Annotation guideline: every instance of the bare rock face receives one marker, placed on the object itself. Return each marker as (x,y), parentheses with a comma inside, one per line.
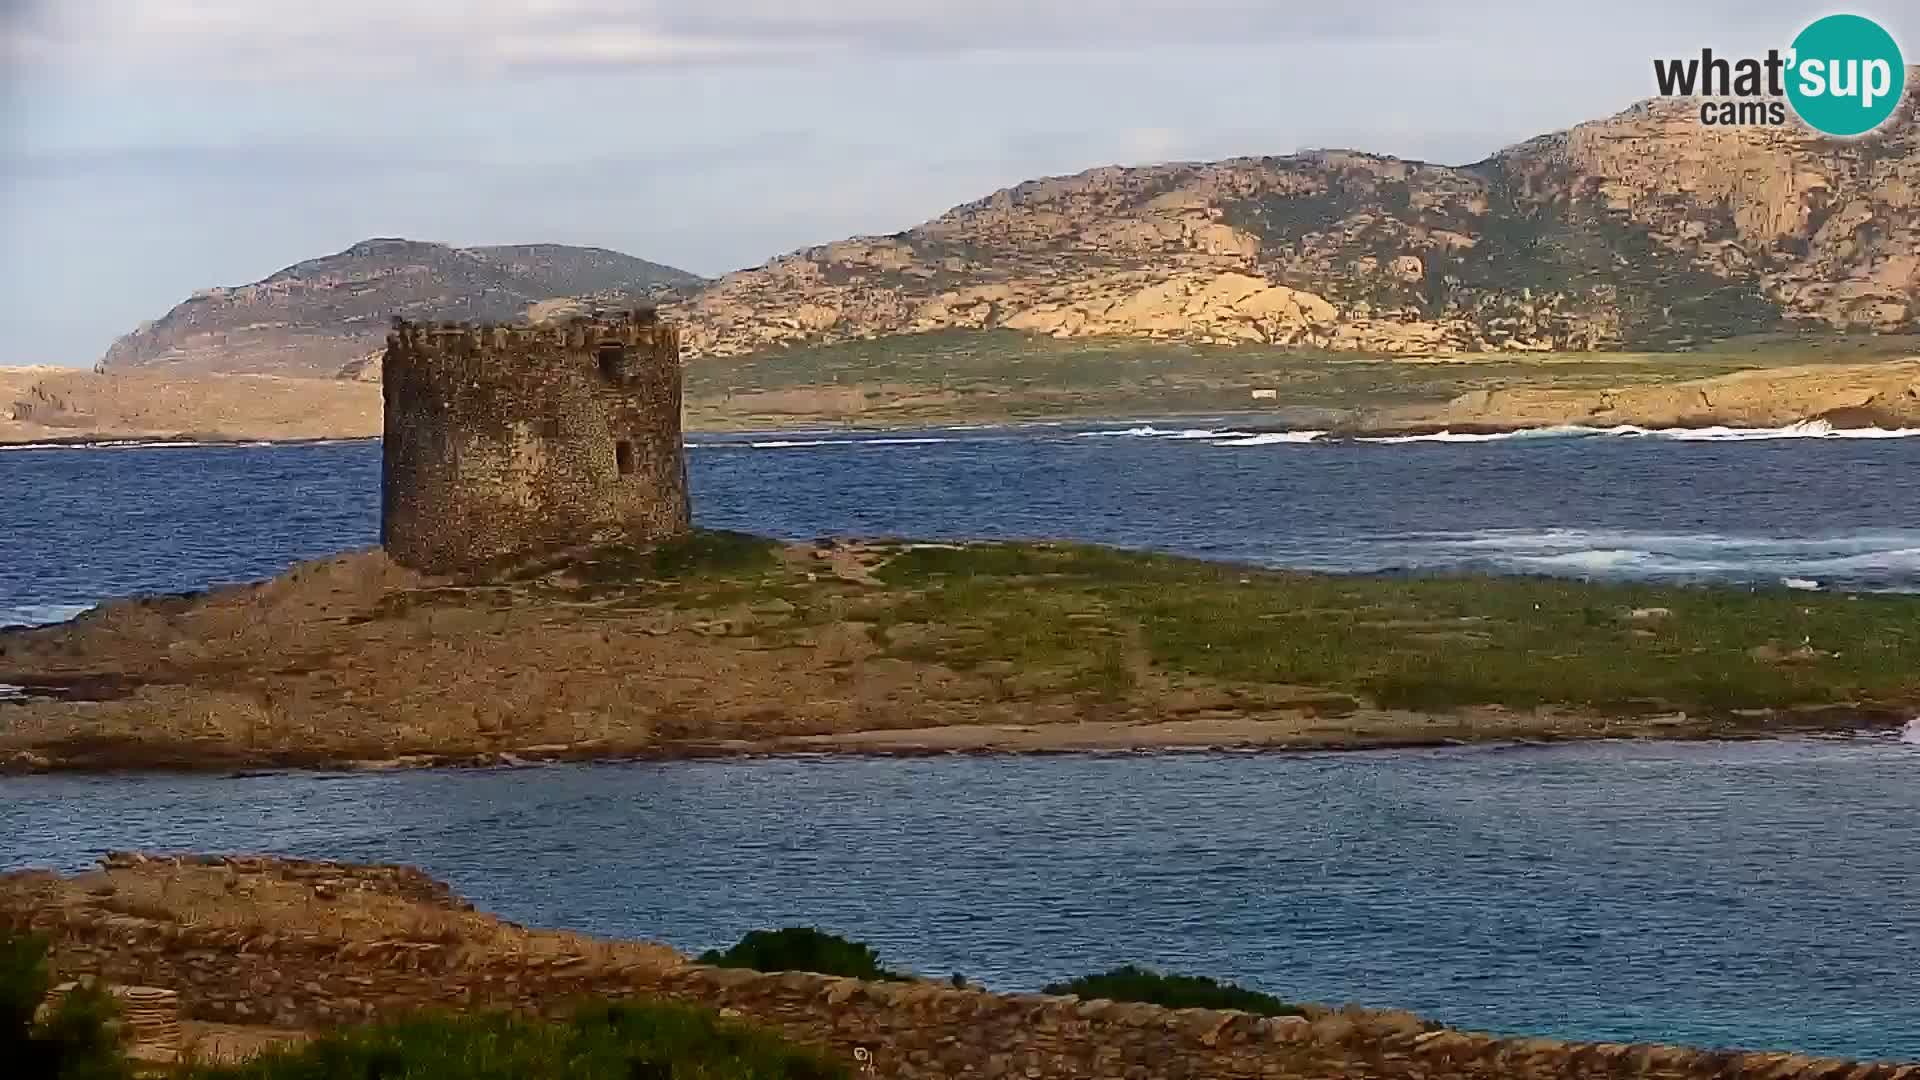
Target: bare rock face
(1646,229)
(325,317)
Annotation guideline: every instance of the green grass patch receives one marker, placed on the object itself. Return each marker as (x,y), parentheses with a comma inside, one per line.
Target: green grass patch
(1006,374)
(801,948)
(609,1041)
(1414,642)
(1133,983)
(702,553)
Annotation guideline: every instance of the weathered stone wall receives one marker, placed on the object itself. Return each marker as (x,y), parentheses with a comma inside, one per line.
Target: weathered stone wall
(909,1030)
(506,440)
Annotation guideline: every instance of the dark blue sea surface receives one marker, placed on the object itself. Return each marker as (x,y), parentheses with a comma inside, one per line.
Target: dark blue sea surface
(81,525)
(1757,894)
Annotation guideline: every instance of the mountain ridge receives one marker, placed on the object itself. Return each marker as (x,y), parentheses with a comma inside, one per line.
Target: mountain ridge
(321,315)
(1643,230)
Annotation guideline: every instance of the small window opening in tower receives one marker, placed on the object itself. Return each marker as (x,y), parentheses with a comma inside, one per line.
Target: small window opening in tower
(623,457)
(613,362)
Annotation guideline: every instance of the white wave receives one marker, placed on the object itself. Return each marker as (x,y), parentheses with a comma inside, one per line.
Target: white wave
(124,444)
(1806,429)
(1890,560)
(797,444)
(1883,561)
(1442,436)
(1272,438)
(1911,733)
(1148,431)
(1597,559)
(1898,543)
(10,692)
(40,614)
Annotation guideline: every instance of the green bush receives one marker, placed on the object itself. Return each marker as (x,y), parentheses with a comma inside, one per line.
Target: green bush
(77,1040)
(801,948)
(1132,983)
(608,1041)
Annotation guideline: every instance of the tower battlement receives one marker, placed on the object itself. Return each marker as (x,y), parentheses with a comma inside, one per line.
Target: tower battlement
(505,440)
(453,342)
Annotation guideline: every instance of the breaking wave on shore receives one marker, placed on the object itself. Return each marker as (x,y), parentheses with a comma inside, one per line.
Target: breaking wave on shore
(1806,429)
(1875,562)
(1237,437)
(40,614)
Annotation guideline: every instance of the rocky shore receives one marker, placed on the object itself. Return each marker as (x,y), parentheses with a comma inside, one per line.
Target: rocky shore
(330,943)
(1881,395)
(731,645)
(59,406)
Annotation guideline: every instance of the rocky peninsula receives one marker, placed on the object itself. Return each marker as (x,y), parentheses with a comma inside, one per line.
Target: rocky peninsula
(729,644)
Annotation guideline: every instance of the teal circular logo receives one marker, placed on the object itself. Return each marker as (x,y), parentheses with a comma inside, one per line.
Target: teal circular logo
(1846,75)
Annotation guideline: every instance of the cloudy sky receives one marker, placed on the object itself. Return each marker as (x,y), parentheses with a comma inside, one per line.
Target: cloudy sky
(152,147)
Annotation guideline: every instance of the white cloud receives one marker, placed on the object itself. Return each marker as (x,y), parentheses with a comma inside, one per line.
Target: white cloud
(281,39)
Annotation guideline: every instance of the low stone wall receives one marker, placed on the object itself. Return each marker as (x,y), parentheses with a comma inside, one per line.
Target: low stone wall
(268,974)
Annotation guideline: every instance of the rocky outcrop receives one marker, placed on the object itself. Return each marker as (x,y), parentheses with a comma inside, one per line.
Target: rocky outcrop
(305,944)
(1885,395)
(1646,229)
(324,315)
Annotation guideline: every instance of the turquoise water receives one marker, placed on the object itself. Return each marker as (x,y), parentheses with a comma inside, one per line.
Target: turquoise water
(1762,895)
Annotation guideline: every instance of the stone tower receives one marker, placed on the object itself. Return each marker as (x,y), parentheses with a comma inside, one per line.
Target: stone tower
(504,441)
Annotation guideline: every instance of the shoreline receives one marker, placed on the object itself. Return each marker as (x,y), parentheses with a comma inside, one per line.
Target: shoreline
(333,943)
(1893,427)
(1086,739)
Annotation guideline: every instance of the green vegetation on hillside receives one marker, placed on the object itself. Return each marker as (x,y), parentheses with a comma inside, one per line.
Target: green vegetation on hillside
(606,1041)
(1132,983)
(996,374)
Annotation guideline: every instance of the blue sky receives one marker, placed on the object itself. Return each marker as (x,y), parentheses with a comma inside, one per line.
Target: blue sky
(152,147)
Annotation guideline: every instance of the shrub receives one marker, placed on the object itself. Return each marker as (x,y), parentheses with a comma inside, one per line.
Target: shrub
(76,1040)
(1132,983)
(606,1041)
(801,948)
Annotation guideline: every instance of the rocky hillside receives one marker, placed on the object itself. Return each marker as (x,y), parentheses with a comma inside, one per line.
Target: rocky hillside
(1645,230)
(320,316)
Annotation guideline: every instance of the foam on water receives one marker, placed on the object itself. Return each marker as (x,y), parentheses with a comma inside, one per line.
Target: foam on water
(1911,733)
(40,614)
(1273,438)
(1809,429)
(1878,561)
(1148,431)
